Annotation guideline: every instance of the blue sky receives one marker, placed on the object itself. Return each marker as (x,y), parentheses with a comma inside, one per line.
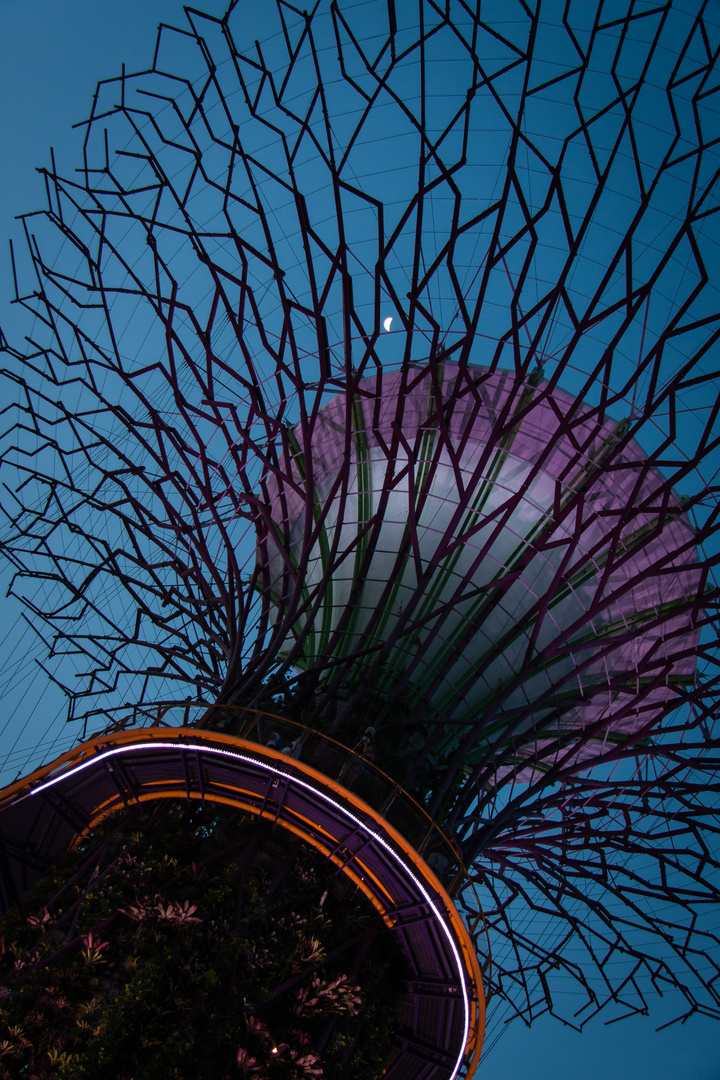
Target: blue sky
(51,56)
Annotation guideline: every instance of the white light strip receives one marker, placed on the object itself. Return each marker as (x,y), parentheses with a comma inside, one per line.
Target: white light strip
(151,744)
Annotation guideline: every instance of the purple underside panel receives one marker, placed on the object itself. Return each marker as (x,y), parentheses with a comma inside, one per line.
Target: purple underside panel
(507,549)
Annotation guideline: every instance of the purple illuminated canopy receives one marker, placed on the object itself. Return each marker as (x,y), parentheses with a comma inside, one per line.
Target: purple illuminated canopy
(503,556)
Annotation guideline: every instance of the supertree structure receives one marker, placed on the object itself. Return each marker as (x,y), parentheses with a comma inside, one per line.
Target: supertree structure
(372,386)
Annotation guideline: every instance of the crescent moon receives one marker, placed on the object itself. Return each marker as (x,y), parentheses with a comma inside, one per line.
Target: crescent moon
(387,323)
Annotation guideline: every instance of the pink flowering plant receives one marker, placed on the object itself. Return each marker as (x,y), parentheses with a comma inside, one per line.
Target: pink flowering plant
(187,942)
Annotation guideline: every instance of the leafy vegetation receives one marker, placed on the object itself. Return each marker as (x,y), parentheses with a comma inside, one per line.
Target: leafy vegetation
(190,942)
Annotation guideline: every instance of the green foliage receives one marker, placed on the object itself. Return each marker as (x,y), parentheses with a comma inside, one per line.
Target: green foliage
(188,943)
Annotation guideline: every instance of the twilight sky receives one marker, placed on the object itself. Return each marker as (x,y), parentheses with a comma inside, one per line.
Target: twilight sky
(52,52)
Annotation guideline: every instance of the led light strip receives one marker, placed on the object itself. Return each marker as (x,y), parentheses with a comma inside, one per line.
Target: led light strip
(153,744)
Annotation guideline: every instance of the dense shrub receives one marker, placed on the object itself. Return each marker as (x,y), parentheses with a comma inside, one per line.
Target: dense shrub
(191,942)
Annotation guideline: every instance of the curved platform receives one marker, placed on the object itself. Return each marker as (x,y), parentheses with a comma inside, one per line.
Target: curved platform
(440,1012)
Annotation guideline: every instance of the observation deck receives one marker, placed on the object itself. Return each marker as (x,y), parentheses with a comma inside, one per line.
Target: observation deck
(385,846)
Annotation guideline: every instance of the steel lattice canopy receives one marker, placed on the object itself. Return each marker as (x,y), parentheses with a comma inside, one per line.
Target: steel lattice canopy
(440,1012)
(391,190)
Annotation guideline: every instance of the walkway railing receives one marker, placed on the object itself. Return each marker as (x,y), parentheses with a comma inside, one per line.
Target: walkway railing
(336,761)
(354,772)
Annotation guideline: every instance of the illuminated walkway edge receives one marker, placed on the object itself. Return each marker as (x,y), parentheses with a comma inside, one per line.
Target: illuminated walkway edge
(441,1006)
